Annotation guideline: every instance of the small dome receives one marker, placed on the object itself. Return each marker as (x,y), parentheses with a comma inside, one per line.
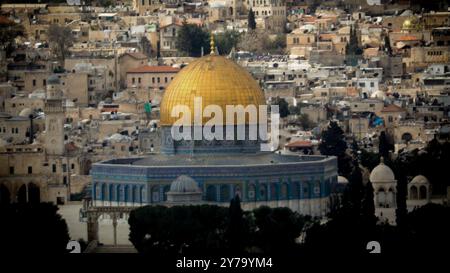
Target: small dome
(382,173)
(26,112)
(342,180)
(53,79)
(420,179)
(184,184)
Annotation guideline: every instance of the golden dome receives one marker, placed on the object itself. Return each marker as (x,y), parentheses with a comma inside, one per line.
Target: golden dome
(217,80)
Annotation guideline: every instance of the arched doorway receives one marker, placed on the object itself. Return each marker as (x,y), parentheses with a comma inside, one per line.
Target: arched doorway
(413,195)
(423,192)
(34,193)
(22,194)
(5,198)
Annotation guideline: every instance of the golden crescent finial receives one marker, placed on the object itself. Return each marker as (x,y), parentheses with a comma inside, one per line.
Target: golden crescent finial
(213,47)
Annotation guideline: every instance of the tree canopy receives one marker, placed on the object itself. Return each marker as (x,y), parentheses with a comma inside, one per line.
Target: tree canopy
(333,143)
(191,39)
(226,41)
(251,19)
(61,38)
(159,230)
(32,228)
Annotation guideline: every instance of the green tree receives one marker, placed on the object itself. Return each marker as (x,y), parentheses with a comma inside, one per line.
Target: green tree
(32,228)
(283,106)
(352,50)
(9,30)
(236,226)
(276,45)
(251,20)
(191,39)
(61,38)
(277,229)
(160,230)
(305,122)
(333,143)
(384,146)
(226,41)
(387,45)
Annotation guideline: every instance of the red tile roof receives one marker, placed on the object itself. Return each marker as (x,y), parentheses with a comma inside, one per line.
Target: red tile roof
(154,69)
(408,38)
(299,144)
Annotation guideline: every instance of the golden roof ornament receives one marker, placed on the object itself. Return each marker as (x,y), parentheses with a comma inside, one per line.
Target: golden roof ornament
(213,47)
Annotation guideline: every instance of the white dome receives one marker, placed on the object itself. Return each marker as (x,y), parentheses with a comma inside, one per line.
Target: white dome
(184,184)
(342,180)
(420,179)
(25,112)
(382,173)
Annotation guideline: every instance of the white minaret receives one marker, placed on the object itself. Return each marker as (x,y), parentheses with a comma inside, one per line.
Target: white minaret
(385,191)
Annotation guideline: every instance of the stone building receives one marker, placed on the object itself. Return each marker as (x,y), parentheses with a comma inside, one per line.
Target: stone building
(151,77)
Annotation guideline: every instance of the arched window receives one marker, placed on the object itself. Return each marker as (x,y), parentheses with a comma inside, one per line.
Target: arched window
(117,193)
(211,193)
(381,197)
(143,195)
(295,192)
(133,194)
(225,193)
(284,192)
(251,192)
(104,192)
(166,188)
(262,192)
(98,191)
(126,193)
(273,191)
(422,192)
(121,193)
(111,192)
(237,191)
(407,137)
(413,195)
(155,194)
(390,198)
(306,190)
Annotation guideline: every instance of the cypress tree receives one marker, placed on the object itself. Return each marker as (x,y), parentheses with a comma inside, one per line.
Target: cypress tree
(251,20)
